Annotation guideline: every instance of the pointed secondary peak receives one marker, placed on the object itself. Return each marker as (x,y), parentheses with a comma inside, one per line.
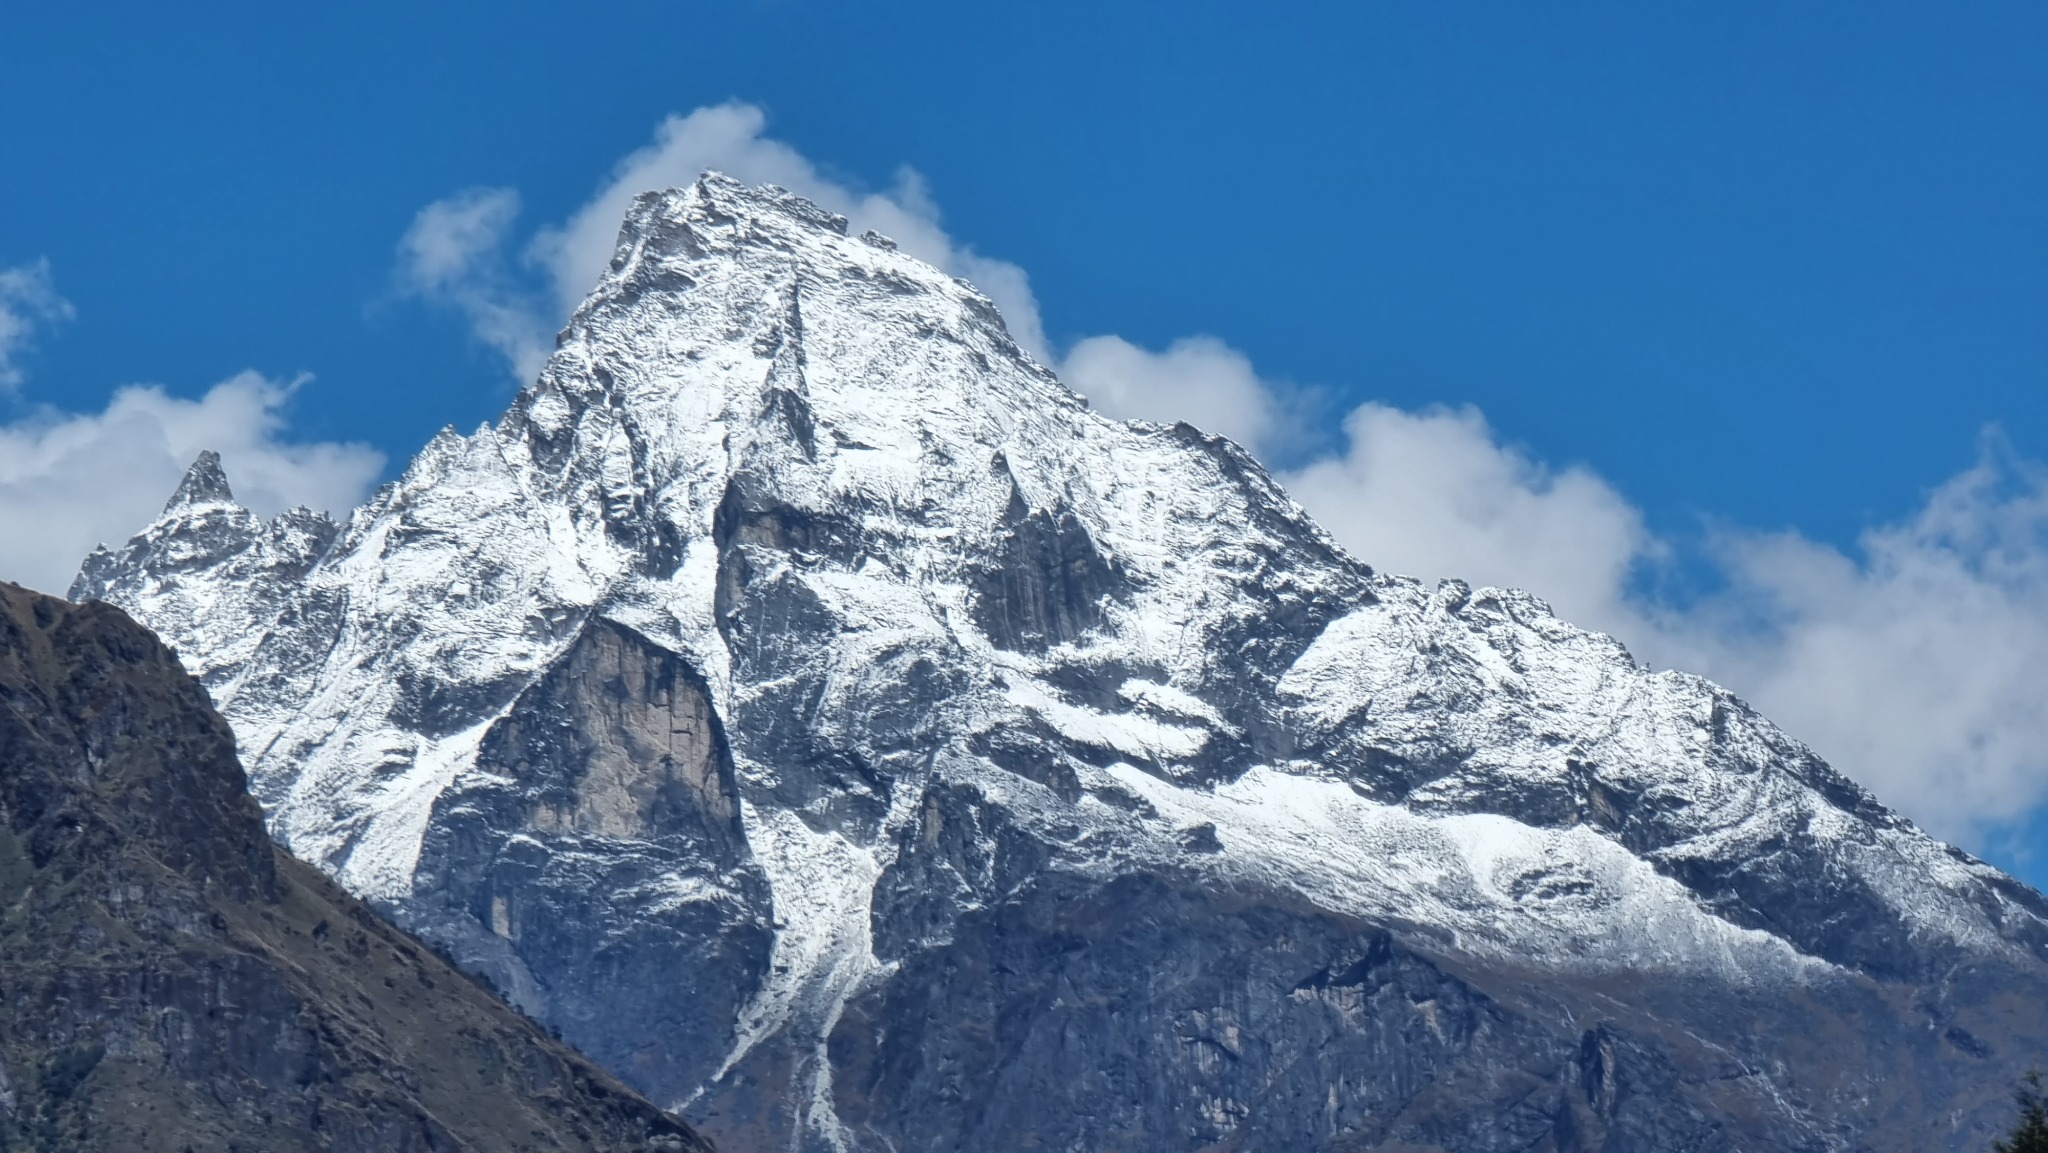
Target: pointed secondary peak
(205,483)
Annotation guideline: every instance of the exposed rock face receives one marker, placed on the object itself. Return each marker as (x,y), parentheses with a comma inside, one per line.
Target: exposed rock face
(1086,795)
(600,834)
(170,980)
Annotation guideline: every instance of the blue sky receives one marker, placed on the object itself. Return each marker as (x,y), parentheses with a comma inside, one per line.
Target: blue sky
(1733,291)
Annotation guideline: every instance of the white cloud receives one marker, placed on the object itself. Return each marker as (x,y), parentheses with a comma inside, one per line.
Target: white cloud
(70,481)
(1198,379)
(454,254)
(27,300)
(1434,494)
(1915,665)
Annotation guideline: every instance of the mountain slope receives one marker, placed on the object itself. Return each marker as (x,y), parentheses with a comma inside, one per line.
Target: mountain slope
(799,664)
(173,981)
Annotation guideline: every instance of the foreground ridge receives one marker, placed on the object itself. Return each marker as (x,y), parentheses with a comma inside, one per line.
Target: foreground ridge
(175,981)
(807,704)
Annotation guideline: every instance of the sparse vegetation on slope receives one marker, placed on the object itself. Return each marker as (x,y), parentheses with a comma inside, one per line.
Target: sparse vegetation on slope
(2030,1134)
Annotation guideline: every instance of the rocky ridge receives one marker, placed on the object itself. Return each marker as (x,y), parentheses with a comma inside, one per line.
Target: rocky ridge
(814,710)
(174,981)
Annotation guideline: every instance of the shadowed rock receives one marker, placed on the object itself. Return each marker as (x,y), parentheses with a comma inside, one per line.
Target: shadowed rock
(174,982)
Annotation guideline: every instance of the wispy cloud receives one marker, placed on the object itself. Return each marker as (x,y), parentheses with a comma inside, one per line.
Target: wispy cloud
(28,301)
(1910,661)
(70,481)
(454,254)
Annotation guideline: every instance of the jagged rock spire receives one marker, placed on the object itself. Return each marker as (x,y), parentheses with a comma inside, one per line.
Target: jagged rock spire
(205,483)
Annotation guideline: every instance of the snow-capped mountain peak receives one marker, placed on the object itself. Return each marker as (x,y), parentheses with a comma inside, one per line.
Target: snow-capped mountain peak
(815,710)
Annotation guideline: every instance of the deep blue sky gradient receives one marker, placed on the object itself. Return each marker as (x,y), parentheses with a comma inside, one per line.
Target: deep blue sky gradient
(1769,264)
(1772,264)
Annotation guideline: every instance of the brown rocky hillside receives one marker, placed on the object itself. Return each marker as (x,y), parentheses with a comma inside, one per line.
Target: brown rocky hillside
(170,980)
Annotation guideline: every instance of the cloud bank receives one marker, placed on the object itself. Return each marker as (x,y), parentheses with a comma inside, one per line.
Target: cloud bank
(1910,662)
(70,481)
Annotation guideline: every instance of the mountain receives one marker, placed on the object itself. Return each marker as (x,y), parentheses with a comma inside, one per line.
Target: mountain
(174,981)
(815,711)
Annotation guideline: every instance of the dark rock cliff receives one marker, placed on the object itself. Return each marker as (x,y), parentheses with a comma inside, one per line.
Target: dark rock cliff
(607,788)
(169,980)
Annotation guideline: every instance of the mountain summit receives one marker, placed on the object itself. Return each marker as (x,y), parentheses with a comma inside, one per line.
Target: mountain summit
(798,664)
